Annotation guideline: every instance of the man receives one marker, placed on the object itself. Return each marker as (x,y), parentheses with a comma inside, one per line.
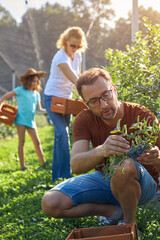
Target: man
(88,194)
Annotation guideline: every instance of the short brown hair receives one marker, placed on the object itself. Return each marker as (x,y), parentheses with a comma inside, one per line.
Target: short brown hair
(89,77)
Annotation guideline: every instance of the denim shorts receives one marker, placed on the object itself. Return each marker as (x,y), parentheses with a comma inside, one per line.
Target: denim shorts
(91,188)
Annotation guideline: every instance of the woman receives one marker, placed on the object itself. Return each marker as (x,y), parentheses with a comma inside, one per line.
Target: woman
(64,71)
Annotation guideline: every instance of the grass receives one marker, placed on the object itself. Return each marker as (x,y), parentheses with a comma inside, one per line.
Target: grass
(21,192)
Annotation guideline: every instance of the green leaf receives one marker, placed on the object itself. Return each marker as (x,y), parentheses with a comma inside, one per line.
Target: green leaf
(116,130)
(134,126)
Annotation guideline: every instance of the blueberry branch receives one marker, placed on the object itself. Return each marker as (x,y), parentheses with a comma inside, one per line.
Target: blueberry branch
(143,139)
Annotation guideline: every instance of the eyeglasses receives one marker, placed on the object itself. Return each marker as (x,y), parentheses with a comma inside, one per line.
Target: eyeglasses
(95,102)
(75,46)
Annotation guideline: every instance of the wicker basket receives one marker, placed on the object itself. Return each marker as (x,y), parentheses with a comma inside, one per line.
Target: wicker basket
(7,114)
(67,106)
(120,232)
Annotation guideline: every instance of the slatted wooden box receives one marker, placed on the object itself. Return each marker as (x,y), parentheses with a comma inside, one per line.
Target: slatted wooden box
(8,114)
(67,106)
(116,232)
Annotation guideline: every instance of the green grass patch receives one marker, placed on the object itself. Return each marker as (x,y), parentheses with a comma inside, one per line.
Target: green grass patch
(21,216)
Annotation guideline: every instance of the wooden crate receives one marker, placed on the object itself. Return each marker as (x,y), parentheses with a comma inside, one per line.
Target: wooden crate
(7,114)
(116,232)
(67,106)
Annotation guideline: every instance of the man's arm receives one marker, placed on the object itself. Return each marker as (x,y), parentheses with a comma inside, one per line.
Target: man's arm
(84,160)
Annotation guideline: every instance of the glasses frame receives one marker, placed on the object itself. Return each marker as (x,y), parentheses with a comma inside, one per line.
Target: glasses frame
(74,46)
(105,100)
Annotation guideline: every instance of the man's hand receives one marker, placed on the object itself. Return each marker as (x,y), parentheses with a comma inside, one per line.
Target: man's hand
(114,144)
(152,157)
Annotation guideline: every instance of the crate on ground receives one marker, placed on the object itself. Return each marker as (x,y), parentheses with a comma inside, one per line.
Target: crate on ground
(8,114)
(114,232)
(67,106)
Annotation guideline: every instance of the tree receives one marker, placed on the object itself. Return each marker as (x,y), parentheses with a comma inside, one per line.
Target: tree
(7,27)
(5,18)
(120,36)
(92,16)
(136,71)
(51,20)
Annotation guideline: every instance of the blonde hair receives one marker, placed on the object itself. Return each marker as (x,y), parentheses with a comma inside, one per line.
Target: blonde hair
(75,32)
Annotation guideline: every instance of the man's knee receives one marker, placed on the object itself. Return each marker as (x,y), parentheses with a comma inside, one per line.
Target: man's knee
(54,203)
(124,175)
(127,170)
(125,180)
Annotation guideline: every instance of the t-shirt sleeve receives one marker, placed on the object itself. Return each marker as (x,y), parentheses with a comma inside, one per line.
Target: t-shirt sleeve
(17,90)
(80,127)
(61,57)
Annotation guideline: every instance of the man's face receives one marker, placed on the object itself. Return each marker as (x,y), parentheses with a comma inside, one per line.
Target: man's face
(106,110)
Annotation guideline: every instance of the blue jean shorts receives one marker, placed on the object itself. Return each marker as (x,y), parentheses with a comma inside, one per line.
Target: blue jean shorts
(91,188)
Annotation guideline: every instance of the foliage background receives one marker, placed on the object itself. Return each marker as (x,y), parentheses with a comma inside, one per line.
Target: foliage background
(136,71)
(46,24)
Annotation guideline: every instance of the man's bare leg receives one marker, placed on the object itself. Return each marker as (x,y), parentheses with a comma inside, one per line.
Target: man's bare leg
(124,186)
(127,190)
(58,205)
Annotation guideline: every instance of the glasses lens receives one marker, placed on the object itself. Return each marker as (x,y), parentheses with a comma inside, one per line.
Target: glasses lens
(73,46)
(107,96)
(95,102)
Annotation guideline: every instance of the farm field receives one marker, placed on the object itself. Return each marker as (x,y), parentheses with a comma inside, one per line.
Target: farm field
(21,192)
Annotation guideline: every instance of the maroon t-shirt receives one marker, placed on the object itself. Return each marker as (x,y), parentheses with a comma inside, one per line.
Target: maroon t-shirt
(92,128)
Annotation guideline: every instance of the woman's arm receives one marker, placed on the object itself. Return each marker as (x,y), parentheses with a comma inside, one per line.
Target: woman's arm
(68,72)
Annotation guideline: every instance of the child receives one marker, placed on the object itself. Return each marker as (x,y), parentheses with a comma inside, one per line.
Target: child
(28,100)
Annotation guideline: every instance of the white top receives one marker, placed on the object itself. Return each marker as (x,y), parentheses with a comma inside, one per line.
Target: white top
(58,84)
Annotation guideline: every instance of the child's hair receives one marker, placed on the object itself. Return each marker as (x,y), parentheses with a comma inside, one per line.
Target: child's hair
(28,77)
(27,82)
(75,32)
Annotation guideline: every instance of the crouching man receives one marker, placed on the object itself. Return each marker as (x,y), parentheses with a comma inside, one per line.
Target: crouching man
(88,194)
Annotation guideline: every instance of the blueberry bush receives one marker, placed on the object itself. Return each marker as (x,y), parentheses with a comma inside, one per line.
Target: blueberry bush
(143,138)
(136,71)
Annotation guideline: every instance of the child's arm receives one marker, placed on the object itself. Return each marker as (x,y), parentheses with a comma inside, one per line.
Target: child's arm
(39,107)
(7,96)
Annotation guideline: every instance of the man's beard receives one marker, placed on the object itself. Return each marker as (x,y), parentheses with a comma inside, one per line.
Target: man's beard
(110,116)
